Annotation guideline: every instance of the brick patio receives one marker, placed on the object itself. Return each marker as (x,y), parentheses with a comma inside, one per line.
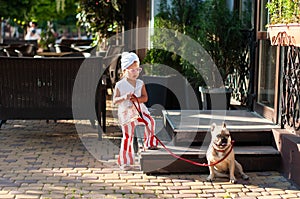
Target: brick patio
(48,160)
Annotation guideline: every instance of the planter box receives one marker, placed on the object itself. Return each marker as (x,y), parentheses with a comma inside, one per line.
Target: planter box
(215,98)
(170,92)
(284,34)
(159,94)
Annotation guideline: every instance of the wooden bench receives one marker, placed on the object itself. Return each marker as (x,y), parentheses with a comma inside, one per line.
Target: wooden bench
(52,88)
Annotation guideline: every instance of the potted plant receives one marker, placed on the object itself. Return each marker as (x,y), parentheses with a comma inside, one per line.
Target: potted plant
(284,24)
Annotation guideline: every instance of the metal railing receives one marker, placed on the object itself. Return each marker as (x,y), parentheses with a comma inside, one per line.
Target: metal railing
(290,104)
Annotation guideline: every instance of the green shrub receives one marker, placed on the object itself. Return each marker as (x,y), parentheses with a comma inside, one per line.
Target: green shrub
(284,11)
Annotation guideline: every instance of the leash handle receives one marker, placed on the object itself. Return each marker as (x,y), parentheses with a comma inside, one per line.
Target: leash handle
(138,108)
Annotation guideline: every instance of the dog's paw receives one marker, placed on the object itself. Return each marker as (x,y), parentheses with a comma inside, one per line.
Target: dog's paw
(233,180)
(245,177)
(210,178)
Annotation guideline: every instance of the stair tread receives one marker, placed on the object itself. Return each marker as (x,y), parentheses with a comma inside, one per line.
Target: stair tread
(199,120)
(192,150)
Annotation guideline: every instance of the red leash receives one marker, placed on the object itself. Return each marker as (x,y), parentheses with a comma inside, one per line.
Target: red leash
(141,119)
(193,162)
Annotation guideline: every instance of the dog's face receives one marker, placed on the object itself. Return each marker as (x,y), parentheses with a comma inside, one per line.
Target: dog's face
(220,137)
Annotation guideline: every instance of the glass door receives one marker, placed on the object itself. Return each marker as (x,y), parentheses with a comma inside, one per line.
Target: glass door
(267,74)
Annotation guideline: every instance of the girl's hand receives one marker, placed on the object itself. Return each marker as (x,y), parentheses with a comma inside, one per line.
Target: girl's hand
(129,96)
(132,99)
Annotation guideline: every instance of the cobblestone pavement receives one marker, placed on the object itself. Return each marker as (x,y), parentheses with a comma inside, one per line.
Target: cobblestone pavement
(52,160)
(40,160)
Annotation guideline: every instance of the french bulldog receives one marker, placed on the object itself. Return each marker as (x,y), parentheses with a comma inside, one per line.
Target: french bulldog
(220,146)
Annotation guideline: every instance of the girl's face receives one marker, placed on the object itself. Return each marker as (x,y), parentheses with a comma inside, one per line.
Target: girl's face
(133,71)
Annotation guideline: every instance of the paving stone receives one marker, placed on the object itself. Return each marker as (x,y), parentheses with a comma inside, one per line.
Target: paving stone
(178,187)
(190,191)
(170,191)
(293,191)
(149,196)
(94,195)
(35,192)
(166,196)
(269,197)
(253,194)
(134,189)
(288,196)
(185,196)
(7,196)
(233,190)
(279,192)
(115,181)
(205,195)
(192,184)
(257,189)
(204,186)
(214,191)
(146,191)
(155,188)
(166,184)
(145,183)
(91,181)
(232,186)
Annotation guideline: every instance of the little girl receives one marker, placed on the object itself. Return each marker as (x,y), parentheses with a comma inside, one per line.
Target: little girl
(127,113)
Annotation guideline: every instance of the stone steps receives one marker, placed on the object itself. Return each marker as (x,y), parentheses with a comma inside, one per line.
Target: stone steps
(252,158)
(255,147)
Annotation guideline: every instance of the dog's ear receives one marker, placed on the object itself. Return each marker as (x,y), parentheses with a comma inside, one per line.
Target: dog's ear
(224,125)
(213,126)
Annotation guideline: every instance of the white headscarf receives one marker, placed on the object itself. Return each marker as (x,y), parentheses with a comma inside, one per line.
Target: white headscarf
(127,59)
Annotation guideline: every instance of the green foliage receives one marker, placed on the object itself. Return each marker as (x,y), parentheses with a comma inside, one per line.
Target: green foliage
(284,11)
(156,57)
(101,16)
(47,10)
(36,10)
(16,9)
(223,36)
(211,24)
(47,37)
(21,12)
